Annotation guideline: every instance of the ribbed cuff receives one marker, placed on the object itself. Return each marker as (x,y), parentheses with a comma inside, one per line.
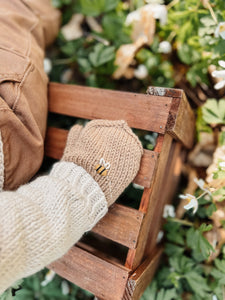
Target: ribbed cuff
(1,164)
(96,204)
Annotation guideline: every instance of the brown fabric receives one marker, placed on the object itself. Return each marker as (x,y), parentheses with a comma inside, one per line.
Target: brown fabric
(26,27)
(116,144)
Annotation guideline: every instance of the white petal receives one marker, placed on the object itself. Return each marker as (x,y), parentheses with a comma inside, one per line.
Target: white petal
(159,236)
(221,63)
(219,85)
(132,17)
(165,47)
(141,72)
(47,65)
(218,74)
(222,164)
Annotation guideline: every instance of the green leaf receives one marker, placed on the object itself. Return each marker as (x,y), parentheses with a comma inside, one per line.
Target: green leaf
(198,243)
(101,55)
(213,111)
(187,54)
(222,138)
(204,227)
(96,7)
(197,283)
(221,191)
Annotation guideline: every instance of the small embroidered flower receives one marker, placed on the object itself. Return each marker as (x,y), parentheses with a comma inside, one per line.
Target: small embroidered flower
(169,211)
(165,47)
(192,202)
(103,167)
(141,72)
(220,30)
(219,74)
(48,277)
(202,185)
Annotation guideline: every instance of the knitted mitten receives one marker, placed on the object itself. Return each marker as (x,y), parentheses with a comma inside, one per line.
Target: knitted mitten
(41,221)
(109,151)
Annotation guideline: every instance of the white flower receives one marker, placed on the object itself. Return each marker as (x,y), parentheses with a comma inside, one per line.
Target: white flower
(137,186)
(220,30)
(132,17)
(222,165)
(159,236)
(202,185)
(192,202)
(65,288)
(169,211)
(219,74)
(165,47)
(47,65)
(48,278)
(73,29)
(159,12)
(214,297)
(141,72)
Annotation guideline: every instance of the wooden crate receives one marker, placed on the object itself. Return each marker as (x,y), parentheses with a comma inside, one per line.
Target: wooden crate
(118,259)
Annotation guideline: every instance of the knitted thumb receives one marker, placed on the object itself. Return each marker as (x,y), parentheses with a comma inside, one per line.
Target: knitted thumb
(72,138)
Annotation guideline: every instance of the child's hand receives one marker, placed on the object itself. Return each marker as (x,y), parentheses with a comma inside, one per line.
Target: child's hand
(109,151)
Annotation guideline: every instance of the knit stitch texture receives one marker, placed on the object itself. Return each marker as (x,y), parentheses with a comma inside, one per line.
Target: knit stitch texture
(113,141)
(42,220)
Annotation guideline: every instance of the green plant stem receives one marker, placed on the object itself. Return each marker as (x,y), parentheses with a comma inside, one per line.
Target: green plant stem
(184,222)
(211,12)
(171,4)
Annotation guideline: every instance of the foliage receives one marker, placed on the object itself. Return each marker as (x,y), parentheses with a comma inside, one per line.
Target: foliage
(186,271)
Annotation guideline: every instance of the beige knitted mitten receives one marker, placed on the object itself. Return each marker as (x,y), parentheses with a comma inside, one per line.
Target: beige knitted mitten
(109,151)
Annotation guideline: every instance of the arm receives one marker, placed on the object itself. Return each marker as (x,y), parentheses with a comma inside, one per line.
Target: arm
(41,220)
(26,27)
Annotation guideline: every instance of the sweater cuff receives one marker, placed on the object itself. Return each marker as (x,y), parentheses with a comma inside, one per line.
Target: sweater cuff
(1,164)
(86,186)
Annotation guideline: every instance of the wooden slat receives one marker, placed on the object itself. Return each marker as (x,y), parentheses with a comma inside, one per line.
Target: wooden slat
(105,280)
(141,278)
(181,121)
(55,144)
(135,256)
(139,110)
(121,224)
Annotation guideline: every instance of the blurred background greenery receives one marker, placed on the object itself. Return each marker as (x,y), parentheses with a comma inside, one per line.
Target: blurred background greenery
(109,44)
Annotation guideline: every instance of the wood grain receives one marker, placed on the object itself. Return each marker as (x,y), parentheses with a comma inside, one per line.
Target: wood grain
(140,279)
(135,256)
(121,224)
(139,110)
(181,121)
(91,273)
(55,144)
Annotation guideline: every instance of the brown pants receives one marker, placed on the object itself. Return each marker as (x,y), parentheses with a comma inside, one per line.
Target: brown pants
(26,27)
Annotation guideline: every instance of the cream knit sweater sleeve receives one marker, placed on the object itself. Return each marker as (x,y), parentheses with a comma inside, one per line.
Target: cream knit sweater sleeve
(41,220)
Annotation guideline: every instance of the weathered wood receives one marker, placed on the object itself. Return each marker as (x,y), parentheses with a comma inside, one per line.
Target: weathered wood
(101,278)
(140,279)
(168,188)
(121,224)
(181,121)
(139,110)
(135,256)
(55,144)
